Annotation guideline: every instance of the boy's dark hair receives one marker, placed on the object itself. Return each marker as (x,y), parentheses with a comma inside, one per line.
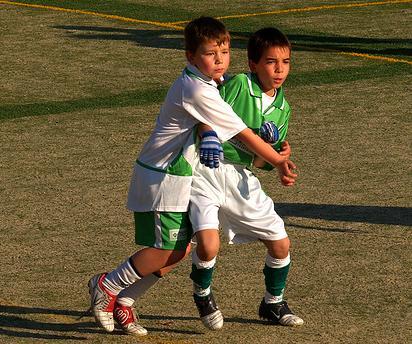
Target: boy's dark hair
(263,39)
(203,29)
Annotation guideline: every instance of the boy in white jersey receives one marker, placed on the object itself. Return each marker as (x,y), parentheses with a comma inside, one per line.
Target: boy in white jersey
(231,197)
(160,187)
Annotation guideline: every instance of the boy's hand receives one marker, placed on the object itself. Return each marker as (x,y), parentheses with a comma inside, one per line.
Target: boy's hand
(269,132)
(285,149)
(286,174)
(210,149)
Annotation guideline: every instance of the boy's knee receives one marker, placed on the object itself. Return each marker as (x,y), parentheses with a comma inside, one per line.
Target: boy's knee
(207,251)
(206,255)
(208,244)
(278,248)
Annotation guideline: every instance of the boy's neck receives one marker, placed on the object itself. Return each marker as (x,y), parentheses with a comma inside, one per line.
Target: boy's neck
(271,93)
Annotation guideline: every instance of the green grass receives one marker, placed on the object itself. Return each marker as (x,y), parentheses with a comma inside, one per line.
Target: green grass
(129,98)
(79,97)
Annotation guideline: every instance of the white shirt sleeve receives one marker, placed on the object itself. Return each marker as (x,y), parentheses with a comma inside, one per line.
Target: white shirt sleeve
(203,102)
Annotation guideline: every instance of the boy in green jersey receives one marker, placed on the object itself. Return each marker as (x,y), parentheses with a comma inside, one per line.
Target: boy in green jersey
(231,197)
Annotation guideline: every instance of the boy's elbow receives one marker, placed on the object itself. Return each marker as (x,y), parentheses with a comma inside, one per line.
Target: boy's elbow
(244,134)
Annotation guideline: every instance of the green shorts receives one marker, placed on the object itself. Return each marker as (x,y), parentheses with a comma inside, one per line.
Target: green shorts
(164,230)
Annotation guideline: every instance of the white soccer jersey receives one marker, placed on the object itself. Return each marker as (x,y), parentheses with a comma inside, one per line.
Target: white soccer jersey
(162,175)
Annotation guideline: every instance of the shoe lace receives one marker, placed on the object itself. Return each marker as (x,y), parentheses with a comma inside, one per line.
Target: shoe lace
(124,313)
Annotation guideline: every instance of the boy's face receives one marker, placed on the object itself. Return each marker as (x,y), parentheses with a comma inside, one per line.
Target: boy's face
(211,59)
(272,68)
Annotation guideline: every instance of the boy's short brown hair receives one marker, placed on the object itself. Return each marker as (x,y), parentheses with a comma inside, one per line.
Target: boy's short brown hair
(203,29)
(263,39)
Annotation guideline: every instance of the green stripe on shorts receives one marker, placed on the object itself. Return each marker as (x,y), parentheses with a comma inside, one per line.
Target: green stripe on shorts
(164,230)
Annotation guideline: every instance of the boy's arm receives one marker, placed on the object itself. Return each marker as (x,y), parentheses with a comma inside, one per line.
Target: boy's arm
(203,102)
(262,149)
(201,128)
(287,175)
(285,151)
(256,145)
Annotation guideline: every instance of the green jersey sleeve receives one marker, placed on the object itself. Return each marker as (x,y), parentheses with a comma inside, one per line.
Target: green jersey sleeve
(230,90)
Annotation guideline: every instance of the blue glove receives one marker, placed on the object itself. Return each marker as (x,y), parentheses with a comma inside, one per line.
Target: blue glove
(210,149)
(269,132)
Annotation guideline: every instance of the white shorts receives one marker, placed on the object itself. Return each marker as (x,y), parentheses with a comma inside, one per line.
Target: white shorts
(231,197)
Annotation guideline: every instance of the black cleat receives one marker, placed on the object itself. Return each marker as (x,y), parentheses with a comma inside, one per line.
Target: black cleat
(278,313)
(209,312)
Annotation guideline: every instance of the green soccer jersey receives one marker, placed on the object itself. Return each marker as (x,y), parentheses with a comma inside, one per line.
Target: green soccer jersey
(244,95)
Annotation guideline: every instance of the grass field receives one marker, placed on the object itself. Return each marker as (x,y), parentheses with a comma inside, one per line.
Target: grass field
(82,83)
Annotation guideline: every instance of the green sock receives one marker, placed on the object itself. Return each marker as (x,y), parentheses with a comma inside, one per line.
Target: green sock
(202,277)
(275,279)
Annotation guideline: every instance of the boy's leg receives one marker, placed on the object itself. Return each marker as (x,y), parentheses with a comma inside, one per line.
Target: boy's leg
(170,231)
(273,307)
(128,296)
(124,312)
(208,186)
(203,262)
(138,266)
(105,287)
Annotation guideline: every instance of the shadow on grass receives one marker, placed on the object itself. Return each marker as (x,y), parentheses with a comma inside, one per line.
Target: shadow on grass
(401,216)
(245,321)
(151,96)
(14,324)
(170,39)
(128,98)
(173,39)
(33,335)
(21,327)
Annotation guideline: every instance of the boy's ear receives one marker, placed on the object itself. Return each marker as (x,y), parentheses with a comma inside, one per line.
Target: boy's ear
(252,66)
(189,56)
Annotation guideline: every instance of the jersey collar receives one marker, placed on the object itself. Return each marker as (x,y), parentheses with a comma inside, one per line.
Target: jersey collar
(256,91)
(193,72)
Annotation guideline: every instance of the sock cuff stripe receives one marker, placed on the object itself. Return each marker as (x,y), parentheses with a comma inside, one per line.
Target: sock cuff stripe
(276,263)
(134,268)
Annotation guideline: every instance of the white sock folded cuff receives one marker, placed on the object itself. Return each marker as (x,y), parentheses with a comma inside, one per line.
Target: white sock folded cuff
(200,264)
(277,263)
(121,277)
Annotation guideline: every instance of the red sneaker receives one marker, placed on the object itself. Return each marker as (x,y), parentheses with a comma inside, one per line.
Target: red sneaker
(127,318)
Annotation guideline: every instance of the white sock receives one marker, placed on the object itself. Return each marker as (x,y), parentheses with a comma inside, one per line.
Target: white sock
(121,277)
(128,296)
(269,298)
(199,291)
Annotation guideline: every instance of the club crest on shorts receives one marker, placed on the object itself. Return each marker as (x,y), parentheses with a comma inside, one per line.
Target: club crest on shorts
(177,234)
